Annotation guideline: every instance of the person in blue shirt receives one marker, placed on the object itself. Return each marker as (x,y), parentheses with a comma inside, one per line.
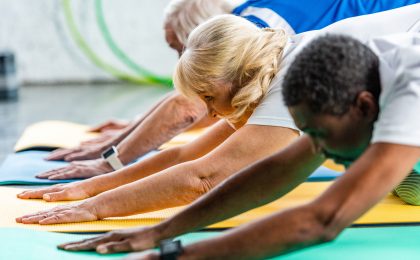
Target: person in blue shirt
(175,114)
(306,15)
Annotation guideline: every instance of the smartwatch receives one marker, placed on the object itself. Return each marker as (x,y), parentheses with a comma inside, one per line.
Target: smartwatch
(170,250)
(111,156)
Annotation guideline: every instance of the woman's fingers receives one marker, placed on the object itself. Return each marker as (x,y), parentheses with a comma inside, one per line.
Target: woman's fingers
(56,196)
(58,215)
(38,194)
(30,218)
(68,216)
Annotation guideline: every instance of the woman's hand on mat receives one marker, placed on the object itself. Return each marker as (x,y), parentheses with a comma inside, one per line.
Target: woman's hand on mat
(70,213)
(137,239)
(60,192)
(78,170)
(112,124)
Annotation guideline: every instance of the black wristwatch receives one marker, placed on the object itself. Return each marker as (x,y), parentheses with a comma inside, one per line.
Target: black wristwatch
(170,249)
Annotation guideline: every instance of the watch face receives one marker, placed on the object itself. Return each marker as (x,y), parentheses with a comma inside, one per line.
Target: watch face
(108,152)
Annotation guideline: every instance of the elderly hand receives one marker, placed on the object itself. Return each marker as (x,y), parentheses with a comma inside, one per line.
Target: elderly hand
(78,153)
(75,212)
(60,192)
(91,149)
(136,239)
(78,170)
(112,124)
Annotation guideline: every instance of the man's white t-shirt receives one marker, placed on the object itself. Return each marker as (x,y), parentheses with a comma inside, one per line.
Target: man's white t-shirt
(399,117)
(272,112)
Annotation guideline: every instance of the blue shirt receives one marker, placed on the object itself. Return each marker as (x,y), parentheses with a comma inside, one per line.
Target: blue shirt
(306,15)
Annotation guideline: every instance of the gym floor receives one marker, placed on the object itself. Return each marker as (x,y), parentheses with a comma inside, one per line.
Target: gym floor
(86,104)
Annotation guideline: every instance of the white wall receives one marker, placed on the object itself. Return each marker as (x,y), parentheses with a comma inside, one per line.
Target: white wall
(37,32)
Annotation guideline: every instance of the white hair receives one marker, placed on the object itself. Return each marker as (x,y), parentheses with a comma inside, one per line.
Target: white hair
(185,15)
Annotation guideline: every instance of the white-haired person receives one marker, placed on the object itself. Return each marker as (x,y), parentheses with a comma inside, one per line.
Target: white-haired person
(236,69)
(175,113)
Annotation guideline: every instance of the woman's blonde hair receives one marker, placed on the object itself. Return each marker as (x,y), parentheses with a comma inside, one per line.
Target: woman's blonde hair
(185,15)
(230,49)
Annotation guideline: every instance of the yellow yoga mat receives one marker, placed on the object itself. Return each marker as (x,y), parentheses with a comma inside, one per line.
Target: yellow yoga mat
(62,134)
(390,211)
(53,134)
(183,138)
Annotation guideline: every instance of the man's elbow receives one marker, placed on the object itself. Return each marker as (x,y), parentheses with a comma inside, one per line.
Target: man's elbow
(328,225)
(315,227)
(186,110)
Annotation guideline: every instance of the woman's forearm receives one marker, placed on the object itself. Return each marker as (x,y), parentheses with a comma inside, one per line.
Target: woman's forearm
(136,171)
(173,187)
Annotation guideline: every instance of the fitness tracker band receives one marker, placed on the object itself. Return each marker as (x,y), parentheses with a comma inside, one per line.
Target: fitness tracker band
(111,156)
(170,250)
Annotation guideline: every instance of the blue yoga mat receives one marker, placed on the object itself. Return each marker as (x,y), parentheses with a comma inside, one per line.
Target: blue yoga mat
(21,168)
(324,174)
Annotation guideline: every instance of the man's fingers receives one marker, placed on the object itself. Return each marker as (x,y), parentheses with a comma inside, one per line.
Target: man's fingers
(103,126)
(84,155)
(67,175)
(114,247)
(47,174)
(89,244)
(37,194)
(59,154)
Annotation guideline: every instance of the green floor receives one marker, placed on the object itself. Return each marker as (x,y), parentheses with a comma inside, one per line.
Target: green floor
(355,243)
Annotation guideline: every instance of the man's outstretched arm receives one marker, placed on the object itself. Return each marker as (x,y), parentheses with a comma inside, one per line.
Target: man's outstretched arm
(382,167)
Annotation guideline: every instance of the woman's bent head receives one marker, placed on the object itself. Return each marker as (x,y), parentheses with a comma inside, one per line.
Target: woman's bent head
(229,63)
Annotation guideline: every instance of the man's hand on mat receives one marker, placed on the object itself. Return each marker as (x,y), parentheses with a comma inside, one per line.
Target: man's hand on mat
(78,170)
(112,124)
(106,139)
(84,152)
(136,239)
(75,212)
(59,192)
(148,255)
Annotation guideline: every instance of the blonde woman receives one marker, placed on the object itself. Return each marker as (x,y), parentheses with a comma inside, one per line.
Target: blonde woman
(243,67)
